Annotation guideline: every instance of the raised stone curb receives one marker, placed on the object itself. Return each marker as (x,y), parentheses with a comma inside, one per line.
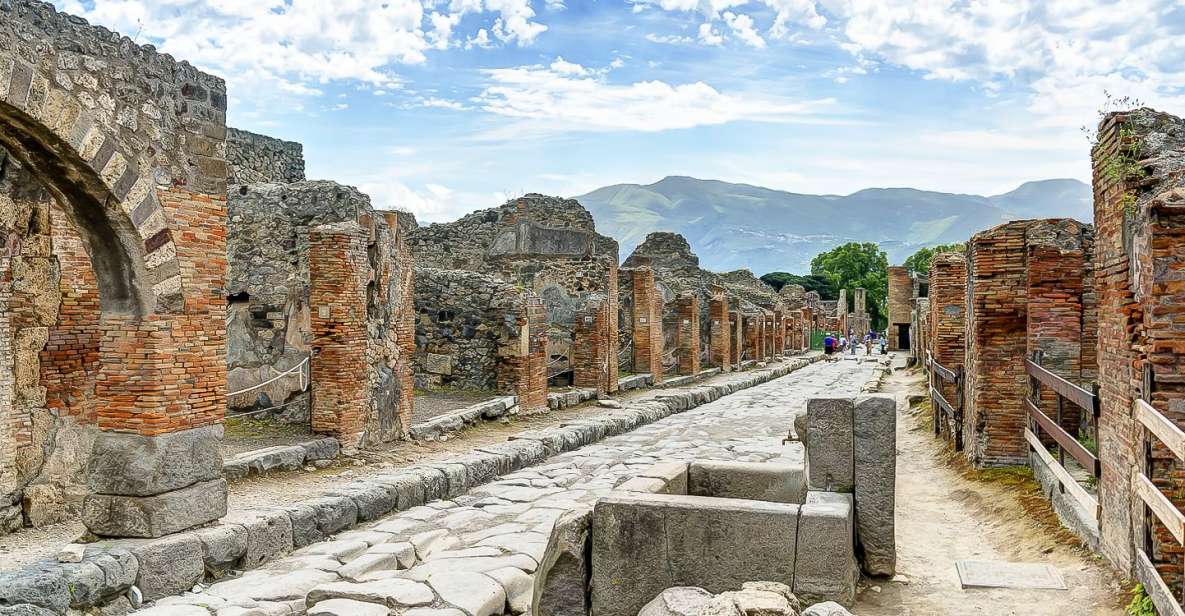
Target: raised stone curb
(246,539)
(468,416)
(280,458)
(564,399)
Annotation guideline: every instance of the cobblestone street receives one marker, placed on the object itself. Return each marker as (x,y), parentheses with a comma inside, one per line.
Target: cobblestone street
(477,552)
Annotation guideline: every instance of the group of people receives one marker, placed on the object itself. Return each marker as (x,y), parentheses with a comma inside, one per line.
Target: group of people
(833,344)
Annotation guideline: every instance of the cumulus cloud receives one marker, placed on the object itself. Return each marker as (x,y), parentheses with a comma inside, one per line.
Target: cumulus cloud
(295,46)
(786,14)
(567,99)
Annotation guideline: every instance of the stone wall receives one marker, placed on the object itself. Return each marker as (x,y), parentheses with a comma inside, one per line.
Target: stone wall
(900,304)
(1138,257)
(467,328)
(258,159)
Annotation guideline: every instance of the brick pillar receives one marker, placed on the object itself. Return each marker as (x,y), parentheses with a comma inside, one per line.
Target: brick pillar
(900,308)
(1057,256)
(736,338)
(160,394)
(526,374)
(338,275)
(613,305)
(948,309)
(591,354)
(647,324)
(719,345)
(751,325)
(996,344)
(687,307)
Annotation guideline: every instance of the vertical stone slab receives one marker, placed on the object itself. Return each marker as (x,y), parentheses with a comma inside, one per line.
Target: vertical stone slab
(825,561)
(830,444)
(875,470)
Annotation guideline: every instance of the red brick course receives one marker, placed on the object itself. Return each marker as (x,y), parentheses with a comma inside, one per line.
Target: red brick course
(648,338)
(720,344)
(592,355)
(948,311)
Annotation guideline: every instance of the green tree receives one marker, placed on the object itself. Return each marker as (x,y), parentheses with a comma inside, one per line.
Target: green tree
(810,282)
(858,265)
(920,260)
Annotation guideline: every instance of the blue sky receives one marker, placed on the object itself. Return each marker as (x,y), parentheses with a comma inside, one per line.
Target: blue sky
(446,106)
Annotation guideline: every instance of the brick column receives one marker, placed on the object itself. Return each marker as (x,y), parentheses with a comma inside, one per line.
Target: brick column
(996,345)
(719,344)
(736,338)
(900,296)
(648,339)
(1057,256)
(338,275)
(160,395)
(591,354)
(532,383)
(751,325)
(687,307)
(613,305)
(405,324)
(948,310)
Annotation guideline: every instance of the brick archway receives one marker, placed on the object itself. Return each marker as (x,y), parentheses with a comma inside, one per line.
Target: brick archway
(130,143)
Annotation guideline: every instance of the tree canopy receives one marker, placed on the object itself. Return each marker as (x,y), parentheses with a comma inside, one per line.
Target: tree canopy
(810,282)
(920,260)
(855,265)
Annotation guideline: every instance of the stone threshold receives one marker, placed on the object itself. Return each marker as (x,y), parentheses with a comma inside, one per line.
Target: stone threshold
(120,574)
(281,458)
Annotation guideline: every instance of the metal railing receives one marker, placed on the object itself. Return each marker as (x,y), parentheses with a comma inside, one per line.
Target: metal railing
(946,413)
(300,369)
(1156,504)
(1066,393)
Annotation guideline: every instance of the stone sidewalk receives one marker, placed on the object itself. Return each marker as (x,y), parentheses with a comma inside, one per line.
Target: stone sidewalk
(475,555)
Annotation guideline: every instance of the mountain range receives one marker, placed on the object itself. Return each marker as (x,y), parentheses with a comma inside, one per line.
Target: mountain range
(732,226)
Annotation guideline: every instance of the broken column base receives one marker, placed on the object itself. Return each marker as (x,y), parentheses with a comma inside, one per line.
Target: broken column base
(151,486)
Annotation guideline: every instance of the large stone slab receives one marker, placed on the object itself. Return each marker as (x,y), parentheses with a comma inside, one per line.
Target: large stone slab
(562,580)
(825,566)
(764,481)
(830,446)
(169,566)
(643,544)
(875,468)
(134,465)
(155,516)
(999,574)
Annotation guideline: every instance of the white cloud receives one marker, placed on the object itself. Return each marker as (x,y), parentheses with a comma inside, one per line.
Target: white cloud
(1062,54)
(442,103)
(709,36)
(742,27)
(669,39)
(295,46)
(567,100)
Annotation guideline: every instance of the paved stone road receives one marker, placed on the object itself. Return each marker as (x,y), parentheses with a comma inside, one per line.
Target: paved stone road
(474,555)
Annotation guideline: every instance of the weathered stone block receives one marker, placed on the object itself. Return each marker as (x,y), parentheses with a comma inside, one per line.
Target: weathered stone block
(155,516)
(269,534)
(766,481)
(825,560)
(830,444)
(169,566)
(875,468)
(673,474)
(562,579)
(643,544)
(134,465)
(321,449)
(438,364)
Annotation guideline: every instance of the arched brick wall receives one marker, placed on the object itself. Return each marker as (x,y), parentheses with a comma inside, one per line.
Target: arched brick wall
(130,143)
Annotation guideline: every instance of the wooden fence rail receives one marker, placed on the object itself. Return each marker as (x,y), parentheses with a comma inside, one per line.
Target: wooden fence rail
(946,412)
(1157,505)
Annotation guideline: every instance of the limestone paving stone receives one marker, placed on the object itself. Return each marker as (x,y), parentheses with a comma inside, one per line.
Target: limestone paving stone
(269,534)
(757,417)
(346,607)
(474,593)
(392,592)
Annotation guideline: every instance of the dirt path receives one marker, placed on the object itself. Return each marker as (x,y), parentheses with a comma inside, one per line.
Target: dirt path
(946,513)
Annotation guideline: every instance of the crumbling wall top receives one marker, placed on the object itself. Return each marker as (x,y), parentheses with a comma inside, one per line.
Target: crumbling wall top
(252,159)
